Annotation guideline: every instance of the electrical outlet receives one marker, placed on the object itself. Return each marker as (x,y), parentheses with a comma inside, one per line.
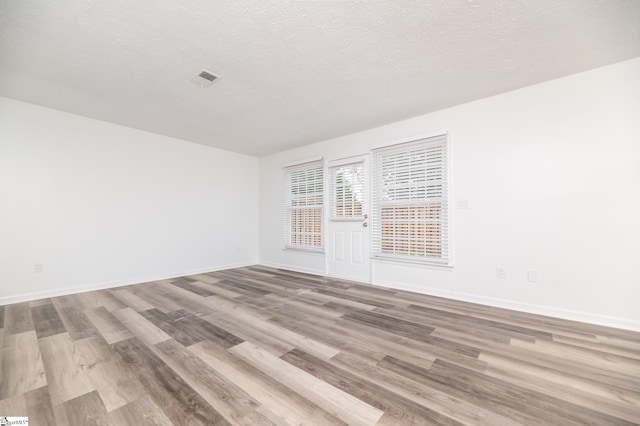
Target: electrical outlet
(532,275)
(37,268)
(462,203)
(501,272)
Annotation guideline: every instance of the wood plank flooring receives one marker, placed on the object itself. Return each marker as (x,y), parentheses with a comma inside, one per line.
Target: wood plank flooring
(260,346)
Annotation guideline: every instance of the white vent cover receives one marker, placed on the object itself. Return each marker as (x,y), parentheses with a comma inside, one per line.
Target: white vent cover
(204,78)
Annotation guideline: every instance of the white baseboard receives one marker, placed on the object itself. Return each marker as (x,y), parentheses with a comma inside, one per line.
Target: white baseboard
(27,297)
(586,317)
(604,320)
(292,268)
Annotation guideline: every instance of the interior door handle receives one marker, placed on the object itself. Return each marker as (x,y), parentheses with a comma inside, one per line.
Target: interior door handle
(365,224)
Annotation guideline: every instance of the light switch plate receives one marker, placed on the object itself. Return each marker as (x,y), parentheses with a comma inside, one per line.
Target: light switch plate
(501,272)
(462,203)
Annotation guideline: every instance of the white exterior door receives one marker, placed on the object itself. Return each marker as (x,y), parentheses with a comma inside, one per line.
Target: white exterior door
(348,248)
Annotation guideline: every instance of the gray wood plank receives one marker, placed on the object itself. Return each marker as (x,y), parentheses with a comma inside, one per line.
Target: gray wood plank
(46,320)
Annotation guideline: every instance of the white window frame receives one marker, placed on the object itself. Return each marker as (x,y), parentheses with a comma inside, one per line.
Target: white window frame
(430,142)
(316,170)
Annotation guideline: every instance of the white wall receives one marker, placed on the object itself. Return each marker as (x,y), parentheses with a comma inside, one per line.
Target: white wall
(100,205)
(552,175)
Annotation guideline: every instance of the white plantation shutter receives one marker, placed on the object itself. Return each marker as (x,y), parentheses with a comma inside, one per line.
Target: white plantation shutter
(304,206)
(410,203)
(347,191)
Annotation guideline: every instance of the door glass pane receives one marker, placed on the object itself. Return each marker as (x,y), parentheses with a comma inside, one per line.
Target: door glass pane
(347,194)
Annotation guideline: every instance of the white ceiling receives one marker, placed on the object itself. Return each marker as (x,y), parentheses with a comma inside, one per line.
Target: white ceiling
(294,72)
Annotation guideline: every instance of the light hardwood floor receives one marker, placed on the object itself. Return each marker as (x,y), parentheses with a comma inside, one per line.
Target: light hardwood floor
(259,346)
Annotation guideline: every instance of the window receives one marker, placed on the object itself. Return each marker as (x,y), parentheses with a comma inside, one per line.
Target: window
(304,206)
(410,201)
(347,191)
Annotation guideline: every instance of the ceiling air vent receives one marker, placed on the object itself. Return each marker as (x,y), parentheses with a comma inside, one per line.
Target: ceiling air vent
(204,78)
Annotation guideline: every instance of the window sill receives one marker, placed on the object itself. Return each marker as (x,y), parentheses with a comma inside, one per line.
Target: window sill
(304,250)
(414,262)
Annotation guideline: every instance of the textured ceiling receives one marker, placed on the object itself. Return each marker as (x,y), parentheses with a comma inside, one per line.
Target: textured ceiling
(294,72)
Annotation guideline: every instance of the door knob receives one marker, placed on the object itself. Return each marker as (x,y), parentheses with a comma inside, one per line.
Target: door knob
(365,224)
